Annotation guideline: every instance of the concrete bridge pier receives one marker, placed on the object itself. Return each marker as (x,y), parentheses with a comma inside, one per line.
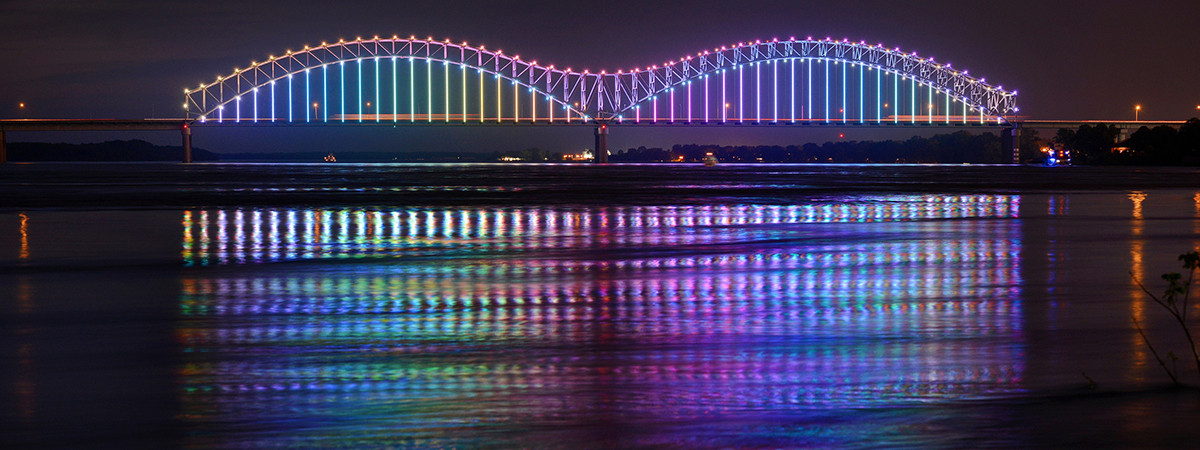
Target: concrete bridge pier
(601,148)
(1010,138)
(187,143)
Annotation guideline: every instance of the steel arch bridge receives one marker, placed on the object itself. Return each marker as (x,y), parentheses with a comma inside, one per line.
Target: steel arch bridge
(793,81)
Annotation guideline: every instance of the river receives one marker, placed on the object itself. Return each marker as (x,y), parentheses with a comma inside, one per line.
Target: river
(253,305)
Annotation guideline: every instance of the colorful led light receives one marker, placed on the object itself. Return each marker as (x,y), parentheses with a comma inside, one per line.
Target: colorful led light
(593,89)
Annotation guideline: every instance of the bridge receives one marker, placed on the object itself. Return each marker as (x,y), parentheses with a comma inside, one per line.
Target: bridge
(408,81)
(392,81)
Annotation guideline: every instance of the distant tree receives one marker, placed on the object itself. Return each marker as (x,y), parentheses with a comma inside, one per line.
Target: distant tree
(1156,146)
(1092,144)
(1189,142)
(1030,144)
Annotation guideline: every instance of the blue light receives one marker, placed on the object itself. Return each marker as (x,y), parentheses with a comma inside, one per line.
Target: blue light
(325,91)
(757,92)
(378,106)
(360,89)
(775,91)
(428,90)
(792,62)
(446,87)
(412,97)
(343,90)
(395,106)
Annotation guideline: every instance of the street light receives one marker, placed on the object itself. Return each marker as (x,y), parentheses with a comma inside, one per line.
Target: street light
(1136,110)
(316,107)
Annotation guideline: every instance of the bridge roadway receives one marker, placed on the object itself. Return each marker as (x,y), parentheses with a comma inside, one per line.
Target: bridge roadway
(1127,127)
(180,125)
(183,126)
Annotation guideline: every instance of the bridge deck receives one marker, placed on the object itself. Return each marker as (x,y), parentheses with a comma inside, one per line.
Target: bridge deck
(1124,124)
(180,125)
(92,124)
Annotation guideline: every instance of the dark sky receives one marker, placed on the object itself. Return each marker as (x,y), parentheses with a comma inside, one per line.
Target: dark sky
(132,58)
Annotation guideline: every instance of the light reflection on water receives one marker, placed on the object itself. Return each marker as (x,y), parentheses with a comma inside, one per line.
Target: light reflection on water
(630,325)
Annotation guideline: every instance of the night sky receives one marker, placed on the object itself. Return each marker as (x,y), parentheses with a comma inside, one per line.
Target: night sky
(132,59)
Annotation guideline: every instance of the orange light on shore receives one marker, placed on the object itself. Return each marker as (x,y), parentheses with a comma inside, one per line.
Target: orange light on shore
(22,105)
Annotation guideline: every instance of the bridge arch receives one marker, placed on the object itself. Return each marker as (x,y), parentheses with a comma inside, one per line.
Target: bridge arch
(208,101)
(976,95)
(590,97)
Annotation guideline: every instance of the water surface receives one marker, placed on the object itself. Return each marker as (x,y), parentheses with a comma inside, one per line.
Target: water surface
(233,305)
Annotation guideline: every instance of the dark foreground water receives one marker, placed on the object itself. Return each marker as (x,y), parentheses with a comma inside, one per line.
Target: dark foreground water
(590,306)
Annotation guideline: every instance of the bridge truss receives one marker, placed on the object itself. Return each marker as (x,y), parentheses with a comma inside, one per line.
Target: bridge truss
(792,81)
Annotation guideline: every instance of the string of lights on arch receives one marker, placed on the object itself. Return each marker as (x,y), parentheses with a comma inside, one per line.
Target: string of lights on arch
(780,82)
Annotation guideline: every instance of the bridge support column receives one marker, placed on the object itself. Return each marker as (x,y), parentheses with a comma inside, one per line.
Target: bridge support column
(187,143)
(1123,133)
(601,144)
(1011,139)
(3,148)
